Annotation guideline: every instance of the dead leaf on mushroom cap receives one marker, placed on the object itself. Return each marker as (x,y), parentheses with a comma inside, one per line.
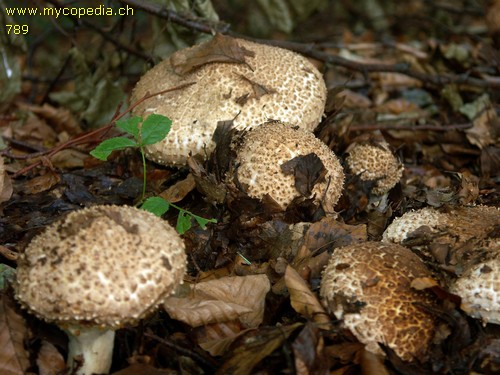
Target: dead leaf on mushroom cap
(234,80)
(221,49)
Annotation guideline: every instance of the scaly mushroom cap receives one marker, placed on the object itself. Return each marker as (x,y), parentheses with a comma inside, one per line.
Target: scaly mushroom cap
(375,163)
(400,229)
(368,286)
(104,265)
(263,152)
(272,83)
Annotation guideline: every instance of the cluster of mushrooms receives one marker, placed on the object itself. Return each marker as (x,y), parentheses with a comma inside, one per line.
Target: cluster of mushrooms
(104,267)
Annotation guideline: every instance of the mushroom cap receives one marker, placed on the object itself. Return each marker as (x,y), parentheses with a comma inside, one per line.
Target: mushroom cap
(375,162)
(266,148)
(368,285)
(274,83)
(104,265)
(479,287)
(400,229)
(463,240)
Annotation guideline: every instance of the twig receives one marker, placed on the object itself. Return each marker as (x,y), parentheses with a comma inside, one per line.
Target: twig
(104,34)
(371,127)
(197,24)
(182,350)
(84,138)
(311,50)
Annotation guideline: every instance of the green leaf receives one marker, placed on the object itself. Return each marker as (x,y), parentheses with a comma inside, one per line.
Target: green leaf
(154,129)
(202,222)
(106,147)
(183,222)
(130,125)
(156,205)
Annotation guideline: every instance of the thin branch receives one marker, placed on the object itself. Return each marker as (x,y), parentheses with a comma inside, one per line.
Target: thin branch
(198,24)
(436,128)
(104,34)
(311,50)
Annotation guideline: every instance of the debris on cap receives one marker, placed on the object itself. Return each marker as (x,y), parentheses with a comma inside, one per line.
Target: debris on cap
(285,163)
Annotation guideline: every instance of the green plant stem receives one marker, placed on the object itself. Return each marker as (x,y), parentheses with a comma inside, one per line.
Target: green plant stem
(144,173)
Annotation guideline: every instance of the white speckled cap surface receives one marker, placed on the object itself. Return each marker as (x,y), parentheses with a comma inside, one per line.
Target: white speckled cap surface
(274,83)
(104,265)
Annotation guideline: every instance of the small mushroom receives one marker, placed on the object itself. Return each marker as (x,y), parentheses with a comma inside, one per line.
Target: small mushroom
(5,183)
(285,163)
(374,161)
(263,83)
(96,270)
(368,286)
(479,286)
(463,241)
(402,227)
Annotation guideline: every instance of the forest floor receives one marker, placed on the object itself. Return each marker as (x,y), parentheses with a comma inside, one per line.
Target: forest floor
(425,77)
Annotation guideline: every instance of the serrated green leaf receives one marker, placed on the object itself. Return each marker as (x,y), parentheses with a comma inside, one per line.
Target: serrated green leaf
(202,222)
(106,147)
(130,125)
(154,129)
(183,222)
(156,205)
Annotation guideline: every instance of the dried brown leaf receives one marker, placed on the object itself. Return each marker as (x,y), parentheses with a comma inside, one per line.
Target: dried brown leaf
(304,301)
(61,119)
(41,183)
(144,369)
(179,190)
(216,338)
(14,358)
(221,49)
(421,283)
(254,347)
(330,233)
(50,361)
(307,170)
(371,364)
(482,132)
(308,352)
(222,300)
(5,183)
(68,159)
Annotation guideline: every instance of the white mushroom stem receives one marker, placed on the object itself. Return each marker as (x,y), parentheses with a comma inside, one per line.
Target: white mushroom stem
(93,347)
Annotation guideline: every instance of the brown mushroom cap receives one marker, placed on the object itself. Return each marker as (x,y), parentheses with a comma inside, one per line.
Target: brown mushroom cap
(104,265)
(264,150)
(274,83)
(375,162)
(368,285)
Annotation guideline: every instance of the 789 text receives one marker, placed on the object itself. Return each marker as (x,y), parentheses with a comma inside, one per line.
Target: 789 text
(17,29)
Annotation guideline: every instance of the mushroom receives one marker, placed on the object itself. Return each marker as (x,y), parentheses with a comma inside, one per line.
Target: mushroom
(369,286)
(401,228)
(461,240)
(96,270)
(374,161)
(270,159)
(479,286)
(250,84)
